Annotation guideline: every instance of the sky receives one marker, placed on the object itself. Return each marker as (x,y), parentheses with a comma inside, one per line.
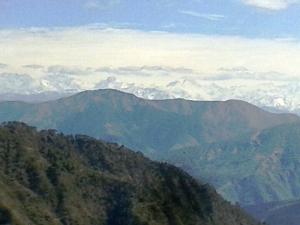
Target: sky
(249,18)
(76,44)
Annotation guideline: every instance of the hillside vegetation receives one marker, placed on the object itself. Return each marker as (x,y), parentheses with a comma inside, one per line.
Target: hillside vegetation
(248,154)
(47,178)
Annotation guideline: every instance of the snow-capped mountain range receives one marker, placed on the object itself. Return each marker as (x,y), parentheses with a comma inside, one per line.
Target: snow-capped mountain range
(281,96)
(275,95)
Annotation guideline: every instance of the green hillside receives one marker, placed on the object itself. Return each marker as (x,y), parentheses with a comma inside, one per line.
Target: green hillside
(47,178)
(229,144)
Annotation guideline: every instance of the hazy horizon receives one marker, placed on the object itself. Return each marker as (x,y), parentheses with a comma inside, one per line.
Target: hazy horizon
(196,49)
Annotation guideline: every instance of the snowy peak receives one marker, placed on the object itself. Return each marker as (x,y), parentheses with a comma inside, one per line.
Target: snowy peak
(283,96)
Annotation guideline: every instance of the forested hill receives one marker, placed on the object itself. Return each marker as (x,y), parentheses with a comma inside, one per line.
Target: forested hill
(47,178)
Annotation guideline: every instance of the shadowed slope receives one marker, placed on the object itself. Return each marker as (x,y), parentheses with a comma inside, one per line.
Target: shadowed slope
(277,213)
(47,178)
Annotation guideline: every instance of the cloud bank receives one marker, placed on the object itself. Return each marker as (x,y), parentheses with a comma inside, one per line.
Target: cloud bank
(265,72)
(83,50)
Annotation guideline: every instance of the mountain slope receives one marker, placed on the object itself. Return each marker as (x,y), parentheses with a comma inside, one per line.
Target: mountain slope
(115,111)
(277,213)
(263,168)
(48,178)
(215,141)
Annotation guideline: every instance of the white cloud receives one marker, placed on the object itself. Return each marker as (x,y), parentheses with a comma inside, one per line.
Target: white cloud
(100,4)
(66,70)
(144,56)
(151,64)
(212,17)
(144,70)
(271,4)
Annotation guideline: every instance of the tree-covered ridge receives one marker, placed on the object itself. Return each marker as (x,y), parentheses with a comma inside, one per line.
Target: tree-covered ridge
(48,178)
(219,142)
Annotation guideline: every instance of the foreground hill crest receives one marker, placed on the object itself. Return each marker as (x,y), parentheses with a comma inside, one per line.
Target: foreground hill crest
(48,178)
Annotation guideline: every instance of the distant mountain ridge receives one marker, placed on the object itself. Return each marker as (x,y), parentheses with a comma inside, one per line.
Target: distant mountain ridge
(278,95)
(47,178)
(34,97)
(229,144)
(277,213)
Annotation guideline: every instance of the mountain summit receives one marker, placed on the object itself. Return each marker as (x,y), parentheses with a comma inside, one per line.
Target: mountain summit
(229,144)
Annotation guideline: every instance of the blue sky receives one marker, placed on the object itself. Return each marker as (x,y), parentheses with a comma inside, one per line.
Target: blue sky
(235,48)
(248,18)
